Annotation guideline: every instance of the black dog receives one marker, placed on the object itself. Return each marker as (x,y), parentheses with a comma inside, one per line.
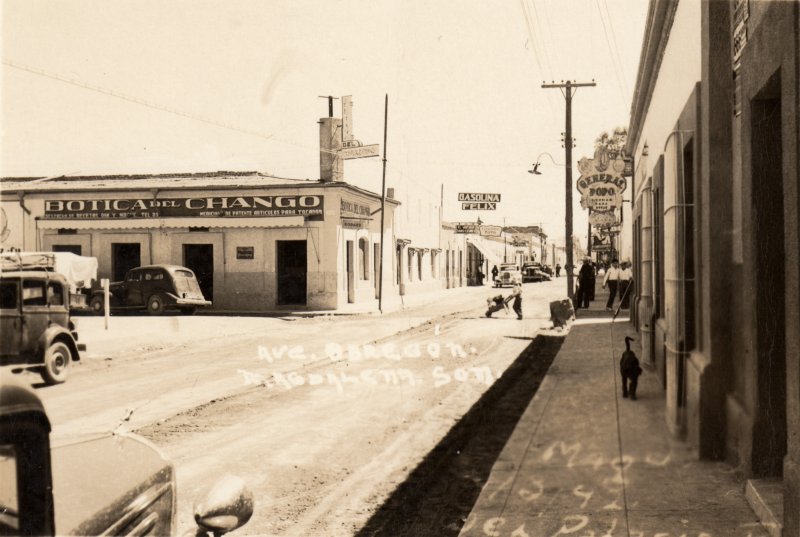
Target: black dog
(629,370)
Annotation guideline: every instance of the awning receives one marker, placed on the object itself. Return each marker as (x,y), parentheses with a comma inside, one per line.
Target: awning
(484,250)
(175,222)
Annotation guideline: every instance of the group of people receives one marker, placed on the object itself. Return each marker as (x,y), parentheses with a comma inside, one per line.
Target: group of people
(617,280)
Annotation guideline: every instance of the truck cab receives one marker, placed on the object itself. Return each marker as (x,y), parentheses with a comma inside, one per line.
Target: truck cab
(109,484)
(38,333)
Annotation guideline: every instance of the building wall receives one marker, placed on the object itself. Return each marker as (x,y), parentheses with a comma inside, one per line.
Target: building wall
(767,377)
(716,234)
(238,284)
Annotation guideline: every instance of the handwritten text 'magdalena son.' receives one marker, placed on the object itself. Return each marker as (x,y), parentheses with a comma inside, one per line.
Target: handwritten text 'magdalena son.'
(439,376)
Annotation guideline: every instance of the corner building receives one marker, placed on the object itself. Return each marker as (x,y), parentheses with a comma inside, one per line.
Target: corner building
(255,242)
(714,133)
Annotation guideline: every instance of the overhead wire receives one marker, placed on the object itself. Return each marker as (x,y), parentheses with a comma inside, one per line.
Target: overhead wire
(534,48)
(616,48)
(614,59)
(132,99)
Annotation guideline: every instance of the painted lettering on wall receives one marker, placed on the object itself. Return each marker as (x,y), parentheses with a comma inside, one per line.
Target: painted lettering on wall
(209,206)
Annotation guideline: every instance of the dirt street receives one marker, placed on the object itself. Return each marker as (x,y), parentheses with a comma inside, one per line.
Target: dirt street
(324,417)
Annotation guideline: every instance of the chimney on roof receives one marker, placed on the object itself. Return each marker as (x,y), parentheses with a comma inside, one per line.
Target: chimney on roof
(331,167)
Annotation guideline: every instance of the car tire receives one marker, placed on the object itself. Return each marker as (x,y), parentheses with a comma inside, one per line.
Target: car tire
(155,305)
(97,305)
(57,360)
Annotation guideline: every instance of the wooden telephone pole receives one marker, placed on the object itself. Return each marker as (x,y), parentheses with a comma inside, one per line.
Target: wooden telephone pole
(570,87)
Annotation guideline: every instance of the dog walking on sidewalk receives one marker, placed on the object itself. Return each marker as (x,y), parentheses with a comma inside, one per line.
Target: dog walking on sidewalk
(629,370)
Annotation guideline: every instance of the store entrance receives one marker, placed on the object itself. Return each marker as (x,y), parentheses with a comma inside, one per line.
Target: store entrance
(292,266)
(199,258)
(770,431)
(124,256)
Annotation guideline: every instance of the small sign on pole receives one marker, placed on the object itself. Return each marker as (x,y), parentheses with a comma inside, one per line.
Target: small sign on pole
(106,301)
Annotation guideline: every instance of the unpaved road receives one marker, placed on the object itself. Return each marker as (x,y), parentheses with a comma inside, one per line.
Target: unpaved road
(322,425)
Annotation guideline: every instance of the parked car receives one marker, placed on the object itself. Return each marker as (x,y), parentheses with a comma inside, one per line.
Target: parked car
(155,288)
(534,272)
(112,484)
(509,272)
(37,331)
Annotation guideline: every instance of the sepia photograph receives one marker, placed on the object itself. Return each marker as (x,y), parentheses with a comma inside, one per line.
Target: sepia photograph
(343,268)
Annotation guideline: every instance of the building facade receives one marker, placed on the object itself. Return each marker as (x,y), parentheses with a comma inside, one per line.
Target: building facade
(255,242)
(715,136)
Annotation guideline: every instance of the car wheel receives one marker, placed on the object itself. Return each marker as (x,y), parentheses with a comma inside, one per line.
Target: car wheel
(97,305)
(57,359)
(155,305)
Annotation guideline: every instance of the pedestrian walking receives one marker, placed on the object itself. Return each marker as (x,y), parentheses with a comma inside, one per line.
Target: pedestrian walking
(625,285)
(592,281)
(495,272)
(558,270)
(611,281)
(516,294)
(585,281)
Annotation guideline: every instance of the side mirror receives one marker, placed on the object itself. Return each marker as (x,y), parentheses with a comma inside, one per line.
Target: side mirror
(228,505)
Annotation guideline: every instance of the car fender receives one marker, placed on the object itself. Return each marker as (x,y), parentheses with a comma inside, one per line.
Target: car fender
(172,296)
(57,333)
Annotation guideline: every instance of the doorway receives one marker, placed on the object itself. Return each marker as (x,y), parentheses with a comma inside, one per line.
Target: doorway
(199,258)
(292,267)
(350,272)
(376,267)
(124,256)
(769,434)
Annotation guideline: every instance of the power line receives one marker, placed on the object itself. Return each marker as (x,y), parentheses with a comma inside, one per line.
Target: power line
(155,106)
(541,39)
(135,100)
(616,48)
(534,48)
(614,59)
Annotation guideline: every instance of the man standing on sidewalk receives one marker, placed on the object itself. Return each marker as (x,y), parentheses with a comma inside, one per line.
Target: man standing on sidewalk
(611,281)
(585,282)
(625,290)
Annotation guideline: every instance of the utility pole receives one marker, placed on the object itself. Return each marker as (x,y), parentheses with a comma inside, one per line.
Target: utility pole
(330,103)
(589,242)
(383,203)
(569,86)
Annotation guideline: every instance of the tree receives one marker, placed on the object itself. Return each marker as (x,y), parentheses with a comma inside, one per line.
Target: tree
(613,143)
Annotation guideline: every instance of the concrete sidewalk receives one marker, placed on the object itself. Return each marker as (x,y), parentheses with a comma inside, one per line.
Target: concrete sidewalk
(584,461)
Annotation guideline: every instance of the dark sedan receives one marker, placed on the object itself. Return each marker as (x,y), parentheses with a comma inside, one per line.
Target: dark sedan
(155,288)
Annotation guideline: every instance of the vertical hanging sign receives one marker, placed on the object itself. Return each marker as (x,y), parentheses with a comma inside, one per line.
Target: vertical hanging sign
(352,148)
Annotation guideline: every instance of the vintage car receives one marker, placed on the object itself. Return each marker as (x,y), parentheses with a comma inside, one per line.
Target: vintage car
(155,288)
(534,272)
(509,273)
(112,484)
(37,331)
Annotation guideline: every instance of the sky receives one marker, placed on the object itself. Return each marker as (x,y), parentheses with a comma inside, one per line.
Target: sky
(129,87)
